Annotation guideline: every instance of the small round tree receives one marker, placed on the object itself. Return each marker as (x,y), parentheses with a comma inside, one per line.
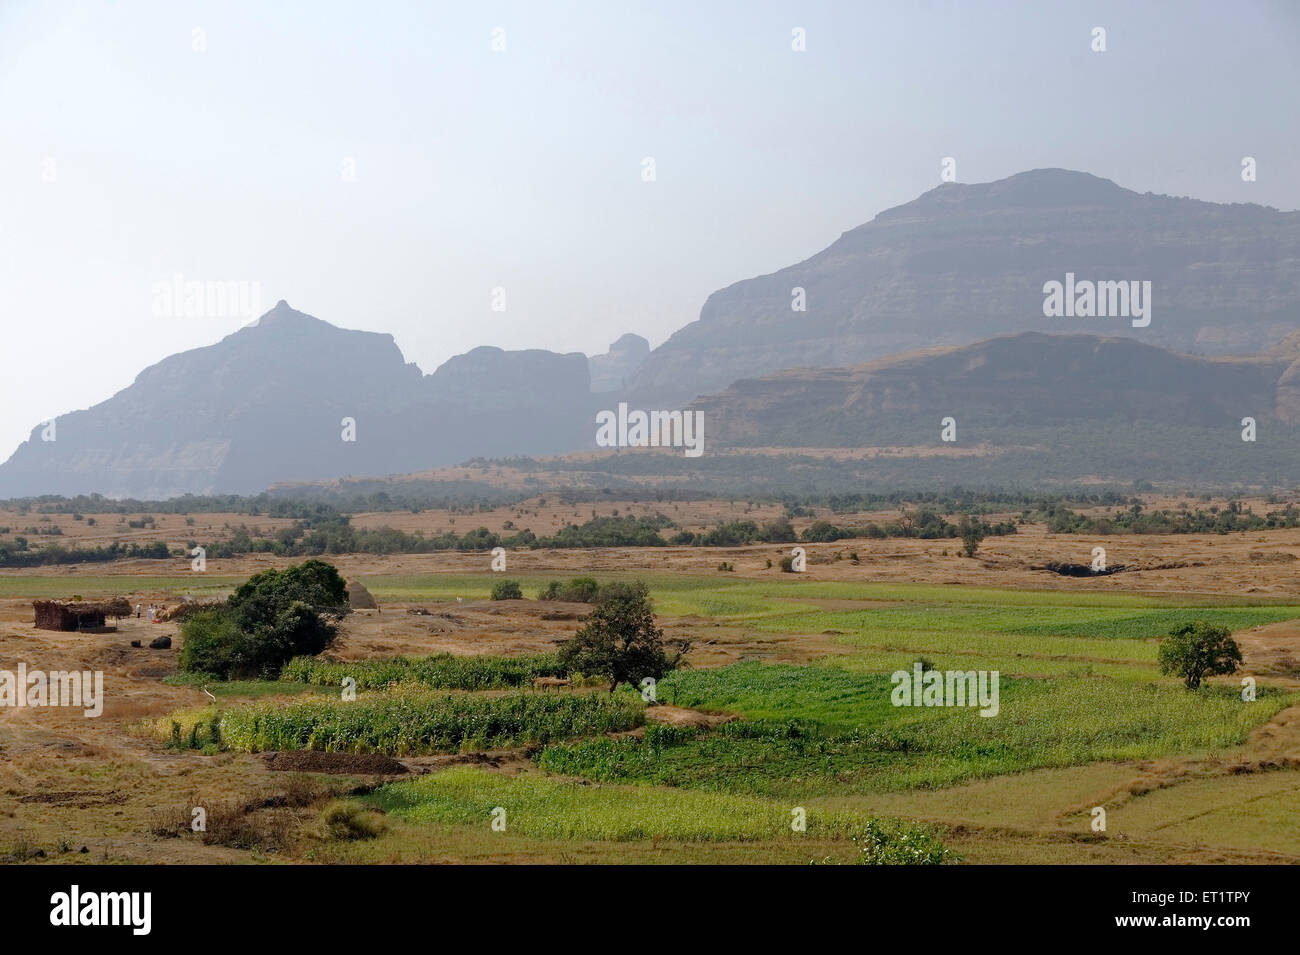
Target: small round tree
(1197,650)
(507,590)
(972,535)
(620,640)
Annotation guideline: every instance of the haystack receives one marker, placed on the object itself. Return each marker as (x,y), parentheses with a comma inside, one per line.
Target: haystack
(360,598)
(184,611)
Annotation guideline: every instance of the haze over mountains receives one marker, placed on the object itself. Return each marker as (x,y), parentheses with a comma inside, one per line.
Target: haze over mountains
(966,262)
(612,370)
(1029,380)
(267,403)
(962,265)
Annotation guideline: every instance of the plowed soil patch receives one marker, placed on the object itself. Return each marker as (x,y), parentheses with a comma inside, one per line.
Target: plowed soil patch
(353,764)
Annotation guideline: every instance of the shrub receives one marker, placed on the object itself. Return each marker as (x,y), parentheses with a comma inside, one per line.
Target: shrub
(779,531)
(823,532)
(214,643)
(904,843)
(347,820)
(507,590)
(581,590)
(619,590)
(577,590)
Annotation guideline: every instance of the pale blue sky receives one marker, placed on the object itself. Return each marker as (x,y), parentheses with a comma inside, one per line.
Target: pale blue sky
(522,169)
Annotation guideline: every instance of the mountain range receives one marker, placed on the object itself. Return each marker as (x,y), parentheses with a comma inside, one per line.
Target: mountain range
(933,308)
(963,263)
(269,403)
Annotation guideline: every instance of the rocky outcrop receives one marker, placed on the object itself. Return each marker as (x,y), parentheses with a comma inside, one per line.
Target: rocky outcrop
(613,370)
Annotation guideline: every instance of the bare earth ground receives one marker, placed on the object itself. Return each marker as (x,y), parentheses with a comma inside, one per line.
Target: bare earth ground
(1260,564)
(67,781)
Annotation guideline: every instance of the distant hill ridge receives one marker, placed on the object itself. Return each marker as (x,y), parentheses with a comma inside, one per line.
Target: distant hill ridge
(958,272)
(1030,380)
(966,262)
(267,403)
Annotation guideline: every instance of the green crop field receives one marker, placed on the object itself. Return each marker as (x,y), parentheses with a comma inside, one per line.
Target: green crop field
(1083,714)
(553,808)
(413,722)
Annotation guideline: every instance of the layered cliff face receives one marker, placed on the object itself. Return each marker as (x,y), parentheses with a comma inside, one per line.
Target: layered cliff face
(1288,388)
(963,263)
(1026,381)
(1288,395)
(268,403)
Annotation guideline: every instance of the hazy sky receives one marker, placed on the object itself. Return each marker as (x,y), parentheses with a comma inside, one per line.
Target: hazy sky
(135,148)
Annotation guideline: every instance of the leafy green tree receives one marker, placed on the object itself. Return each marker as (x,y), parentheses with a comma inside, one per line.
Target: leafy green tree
(213,643)
(577,590)
(261,599)
(270,619)
(1197,650)
(622,590)
(779,531)
(621,642)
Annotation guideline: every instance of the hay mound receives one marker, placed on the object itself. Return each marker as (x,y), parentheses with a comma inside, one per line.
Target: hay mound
(359,598)
(1271,557)
(186,610)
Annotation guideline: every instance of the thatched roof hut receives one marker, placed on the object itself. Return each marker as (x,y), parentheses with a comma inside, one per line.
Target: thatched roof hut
(72,615)
(359,598)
